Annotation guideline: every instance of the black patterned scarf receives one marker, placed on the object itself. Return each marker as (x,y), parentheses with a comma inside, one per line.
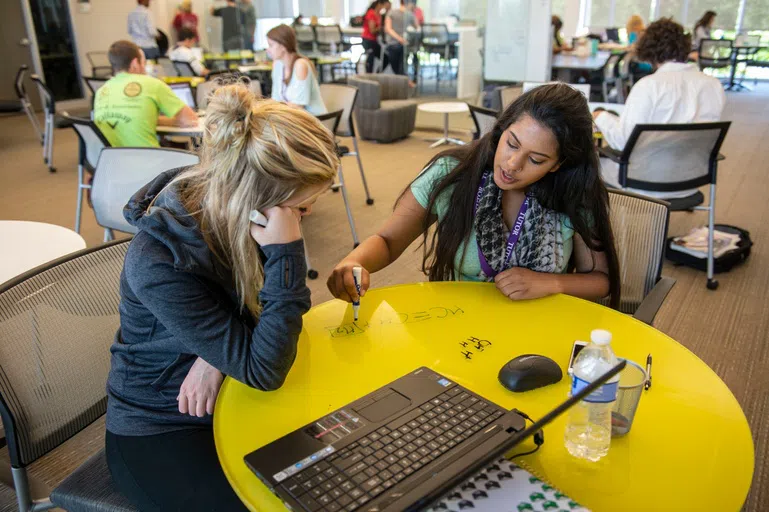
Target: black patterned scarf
(540,245)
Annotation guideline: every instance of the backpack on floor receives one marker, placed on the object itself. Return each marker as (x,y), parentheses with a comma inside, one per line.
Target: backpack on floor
(723,263)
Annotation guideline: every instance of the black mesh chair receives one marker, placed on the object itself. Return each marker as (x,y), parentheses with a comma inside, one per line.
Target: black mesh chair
(640,226)
(57,323)
(484,119)
(714,54)
(673,158)
(100,64)
(305,38)
(183,68)
(435,41)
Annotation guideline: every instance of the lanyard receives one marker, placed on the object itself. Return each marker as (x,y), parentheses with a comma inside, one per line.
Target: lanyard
(512,239)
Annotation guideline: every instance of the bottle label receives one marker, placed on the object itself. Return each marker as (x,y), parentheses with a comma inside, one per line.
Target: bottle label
(605,394)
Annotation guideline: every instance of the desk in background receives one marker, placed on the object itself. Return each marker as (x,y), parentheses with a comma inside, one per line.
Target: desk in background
(690,447)
(194,81)
(565,63)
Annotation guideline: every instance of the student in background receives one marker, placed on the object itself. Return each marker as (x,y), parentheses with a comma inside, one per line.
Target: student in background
(293,75)
(141,28)
(635,28)
(372,27)
(677,92)
(130,106)
(248,19)
(183,52)
(186,19)
(537,168)
(558,43)
(418,13)
(204,292)
(396,23)
(232,37)
(702,29)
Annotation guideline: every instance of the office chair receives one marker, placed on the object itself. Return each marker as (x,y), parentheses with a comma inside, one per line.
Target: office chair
(675,157)
(305,38)
(484,120)
(435,41)
(120,173)
(509,94)
(91,142)
(100,64)
(714,54)
(640,226)
(183,68)
(57,323)
(22,103)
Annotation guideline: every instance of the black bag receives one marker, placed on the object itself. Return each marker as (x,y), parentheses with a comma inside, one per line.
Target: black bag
(725,262)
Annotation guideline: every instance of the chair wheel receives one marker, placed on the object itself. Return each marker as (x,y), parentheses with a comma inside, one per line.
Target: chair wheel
(335,190)
(355,245)
(45,161)
(312,274)
(52,169)
(712,284)
(369,201)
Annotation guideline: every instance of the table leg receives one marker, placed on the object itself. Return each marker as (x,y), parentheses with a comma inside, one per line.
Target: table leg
(445,139)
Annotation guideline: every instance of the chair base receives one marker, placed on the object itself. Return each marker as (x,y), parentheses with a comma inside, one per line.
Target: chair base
(312,273)
(445,140)
(712,284)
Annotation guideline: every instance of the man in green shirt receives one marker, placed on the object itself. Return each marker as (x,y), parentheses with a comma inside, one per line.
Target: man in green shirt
(130,106)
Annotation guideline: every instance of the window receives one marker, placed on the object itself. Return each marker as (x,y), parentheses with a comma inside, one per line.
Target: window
(600,14)
(311,8)
(358,7)
(559,8)
(672,9)
(726,9)
(756,15)
(624,9)
(274,8)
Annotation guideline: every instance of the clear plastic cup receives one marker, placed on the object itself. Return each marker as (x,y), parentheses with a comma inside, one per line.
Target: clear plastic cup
(629,391)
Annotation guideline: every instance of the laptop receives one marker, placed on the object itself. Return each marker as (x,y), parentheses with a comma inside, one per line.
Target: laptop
(399,448)
(184,92)
(612,34)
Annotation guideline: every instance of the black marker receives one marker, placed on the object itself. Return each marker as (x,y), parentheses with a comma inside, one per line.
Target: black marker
(648,382)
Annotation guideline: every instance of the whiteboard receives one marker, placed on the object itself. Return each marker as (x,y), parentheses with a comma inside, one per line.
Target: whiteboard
(518,42)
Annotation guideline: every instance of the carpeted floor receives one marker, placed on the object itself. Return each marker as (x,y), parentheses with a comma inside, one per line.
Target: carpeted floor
(728,328)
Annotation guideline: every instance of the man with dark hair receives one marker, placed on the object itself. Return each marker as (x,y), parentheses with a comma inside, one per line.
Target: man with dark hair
(141,28)
(183,52)
(677,92)
(130,106)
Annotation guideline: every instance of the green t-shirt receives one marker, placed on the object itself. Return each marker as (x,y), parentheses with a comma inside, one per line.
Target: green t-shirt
(126,109)
(470,268)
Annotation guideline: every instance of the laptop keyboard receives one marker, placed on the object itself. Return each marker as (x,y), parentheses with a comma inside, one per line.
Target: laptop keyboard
(358,473)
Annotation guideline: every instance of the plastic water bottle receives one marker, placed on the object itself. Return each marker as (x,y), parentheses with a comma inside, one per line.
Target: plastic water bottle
(588,431)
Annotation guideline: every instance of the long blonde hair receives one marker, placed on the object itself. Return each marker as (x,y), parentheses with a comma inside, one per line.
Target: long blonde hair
(256,154)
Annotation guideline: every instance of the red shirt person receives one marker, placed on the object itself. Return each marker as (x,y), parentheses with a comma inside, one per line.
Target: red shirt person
(372,27)
(185,18)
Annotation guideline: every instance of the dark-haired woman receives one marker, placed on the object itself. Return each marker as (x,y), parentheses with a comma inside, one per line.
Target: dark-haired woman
(703,28)
(536,169)
(372,27)
(677,92)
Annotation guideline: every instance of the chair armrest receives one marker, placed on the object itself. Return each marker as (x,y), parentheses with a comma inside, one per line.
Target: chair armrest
(653,301)
(369,93)
(611,154)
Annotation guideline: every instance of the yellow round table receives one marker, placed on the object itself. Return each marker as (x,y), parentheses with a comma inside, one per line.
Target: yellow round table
(690,447)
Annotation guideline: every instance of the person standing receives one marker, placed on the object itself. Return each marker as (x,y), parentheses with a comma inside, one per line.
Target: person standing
(372,28)
(141,28)
(248,19)
(396,24)
(703,28)
(186,19)
(232,38)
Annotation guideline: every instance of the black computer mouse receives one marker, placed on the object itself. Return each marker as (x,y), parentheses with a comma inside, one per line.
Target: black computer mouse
(528,372)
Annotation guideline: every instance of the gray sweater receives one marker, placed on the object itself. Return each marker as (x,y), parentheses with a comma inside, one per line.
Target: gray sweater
(178,302)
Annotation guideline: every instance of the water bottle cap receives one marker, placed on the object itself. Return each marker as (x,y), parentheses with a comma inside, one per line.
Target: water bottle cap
(600,337)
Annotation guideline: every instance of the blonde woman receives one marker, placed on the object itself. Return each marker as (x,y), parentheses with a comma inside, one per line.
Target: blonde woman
(205,292)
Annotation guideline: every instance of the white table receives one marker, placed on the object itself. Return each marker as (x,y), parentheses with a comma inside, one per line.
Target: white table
(177,131)
(571,61)
(445,108)
(27,245)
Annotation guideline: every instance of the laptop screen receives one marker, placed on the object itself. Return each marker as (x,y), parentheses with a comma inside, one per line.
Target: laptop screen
(184,93)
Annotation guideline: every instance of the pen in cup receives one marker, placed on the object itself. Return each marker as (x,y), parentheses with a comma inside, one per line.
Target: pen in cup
(648,383)
(356,276)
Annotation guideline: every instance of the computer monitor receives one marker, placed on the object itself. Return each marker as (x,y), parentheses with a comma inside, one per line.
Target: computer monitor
(612,34)
(184,92)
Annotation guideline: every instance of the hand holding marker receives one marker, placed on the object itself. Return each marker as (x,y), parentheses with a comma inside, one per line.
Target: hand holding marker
(356,276)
